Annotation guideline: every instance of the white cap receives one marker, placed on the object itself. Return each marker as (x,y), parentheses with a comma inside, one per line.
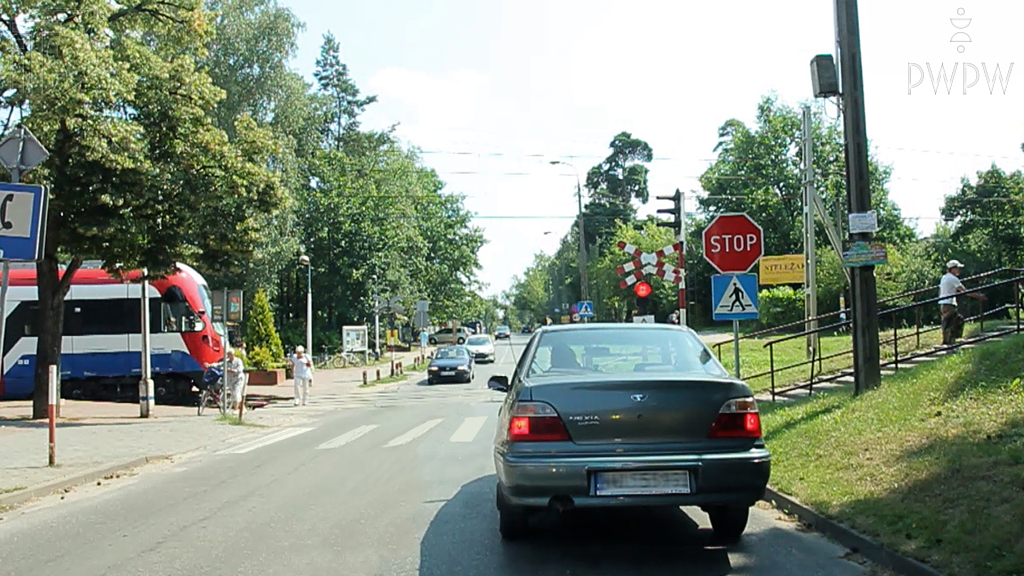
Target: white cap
(231,350)
(953,264)
(299,349)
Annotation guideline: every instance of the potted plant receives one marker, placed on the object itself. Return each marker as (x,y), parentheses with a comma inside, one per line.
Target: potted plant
(263,369)
(266,352)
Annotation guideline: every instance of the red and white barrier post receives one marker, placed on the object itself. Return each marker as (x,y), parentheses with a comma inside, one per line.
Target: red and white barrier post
(51,413)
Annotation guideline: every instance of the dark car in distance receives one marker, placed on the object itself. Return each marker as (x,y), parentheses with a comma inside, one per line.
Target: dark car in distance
(604,415)
(451,364)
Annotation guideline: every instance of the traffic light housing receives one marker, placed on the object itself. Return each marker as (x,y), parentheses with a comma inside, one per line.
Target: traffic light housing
(643,297)
(676,223)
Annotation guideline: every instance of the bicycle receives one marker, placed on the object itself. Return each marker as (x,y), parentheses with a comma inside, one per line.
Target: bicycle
(327,361)
(213,392)
(352,359)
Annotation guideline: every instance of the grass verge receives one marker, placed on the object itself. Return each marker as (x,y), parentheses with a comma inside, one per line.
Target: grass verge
(10,490)
(233,420)
(931,464)
(388,380)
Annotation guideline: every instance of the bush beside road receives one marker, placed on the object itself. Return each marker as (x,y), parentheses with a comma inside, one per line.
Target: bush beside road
(931,464)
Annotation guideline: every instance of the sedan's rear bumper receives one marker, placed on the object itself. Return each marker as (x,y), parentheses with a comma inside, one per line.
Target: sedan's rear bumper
(737,479)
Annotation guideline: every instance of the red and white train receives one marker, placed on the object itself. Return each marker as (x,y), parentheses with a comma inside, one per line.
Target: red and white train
(102,345)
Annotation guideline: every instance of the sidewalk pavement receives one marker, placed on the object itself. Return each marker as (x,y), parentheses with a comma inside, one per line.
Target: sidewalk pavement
(94,439)
(712,338)
(335,381)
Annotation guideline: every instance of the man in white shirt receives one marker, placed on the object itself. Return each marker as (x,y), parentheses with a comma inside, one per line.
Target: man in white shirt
(949,287)
(302,369)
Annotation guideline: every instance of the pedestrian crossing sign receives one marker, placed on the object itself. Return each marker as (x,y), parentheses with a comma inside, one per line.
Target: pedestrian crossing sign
(585,309)
(734,297)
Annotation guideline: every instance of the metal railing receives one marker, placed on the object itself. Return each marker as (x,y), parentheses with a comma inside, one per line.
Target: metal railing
(889,347)
(801,324)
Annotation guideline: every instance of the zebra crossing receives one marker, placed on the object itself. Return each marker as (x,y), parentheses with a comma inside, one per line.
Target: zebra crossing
(468,430)
(407,396)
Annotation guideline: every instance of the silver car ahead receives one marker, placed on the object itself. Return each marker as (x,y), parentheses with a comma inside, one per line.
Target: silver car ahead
(600,415)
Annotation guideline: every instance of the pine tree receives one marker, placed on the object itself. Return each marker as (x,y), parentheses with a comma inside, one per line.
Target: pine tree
(260,331)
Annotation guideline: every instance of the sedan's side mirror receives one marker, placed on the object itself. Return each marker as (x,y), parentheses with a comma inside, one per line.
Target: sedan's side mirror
(499,383)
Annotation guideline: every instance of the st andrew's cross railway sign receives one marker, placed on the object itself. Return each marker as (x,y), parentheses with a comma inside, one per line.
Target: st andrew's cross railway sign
(733,243)
(648,263)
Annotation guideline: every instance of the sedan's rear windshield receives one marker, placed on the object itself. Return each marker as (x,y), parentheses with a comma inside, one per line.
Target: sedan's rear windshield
(450,353)
(479,341)
(621,351)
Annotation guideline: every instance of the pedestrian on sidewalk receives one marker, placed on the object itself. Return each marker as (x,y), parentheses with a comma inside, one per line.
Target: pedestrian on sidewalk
(949,287)
(234,378)
(302,369)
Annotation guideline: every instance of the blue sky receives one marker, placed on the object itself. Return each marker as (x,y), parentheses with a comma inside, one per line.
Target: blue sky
(492,90)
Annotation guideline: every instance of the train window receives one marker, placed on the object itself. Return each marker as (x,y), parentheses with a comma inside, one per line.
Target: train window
(176,313)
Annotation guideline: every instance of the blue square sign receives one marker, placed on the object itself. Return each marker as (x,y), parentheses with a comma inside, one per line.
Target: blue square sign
(22,221)
(734,297)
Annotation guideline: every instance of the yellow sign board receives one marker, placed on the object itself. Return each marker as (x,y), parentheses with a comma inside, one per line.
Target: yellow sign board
(788,269)
(392,337)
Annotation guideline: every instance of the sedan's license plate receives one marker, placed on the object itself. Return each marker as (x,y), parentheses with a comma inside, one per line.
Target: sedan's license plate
(642,483)
(447,373)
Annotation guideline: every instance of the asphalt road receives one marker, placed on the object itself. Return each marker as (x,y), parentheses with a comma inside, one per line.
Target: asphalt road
(395,488)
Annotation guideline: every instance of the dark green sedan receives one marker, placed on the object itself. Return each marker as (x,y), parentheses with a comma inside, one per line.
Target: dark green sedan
(601,415)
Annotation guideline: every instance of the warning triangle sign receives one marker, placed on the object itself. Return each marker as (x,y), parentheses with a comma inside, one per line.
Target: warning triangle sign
(735,300)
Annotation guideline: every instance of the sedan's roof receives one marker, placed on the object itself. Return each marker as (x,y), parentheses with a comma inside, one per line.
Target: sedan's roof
(612,325)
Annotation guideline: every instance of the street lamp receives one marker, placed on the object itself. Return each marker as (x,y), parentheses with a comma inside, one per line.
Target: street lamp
(583,240)
(304,261)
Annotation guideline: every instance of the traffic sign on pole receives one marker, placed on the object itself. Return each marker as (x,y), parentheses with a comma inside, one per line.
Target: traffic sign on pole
(22,221)
(733,243)
(734,297)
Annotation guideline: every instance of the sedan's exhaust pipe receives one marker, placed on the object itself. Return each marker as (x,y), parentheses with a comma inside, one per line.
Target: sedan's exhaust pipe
(561,503)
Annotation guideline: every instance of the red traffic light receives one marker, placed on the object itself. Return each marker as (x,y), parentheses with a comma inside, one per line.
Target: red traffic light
(642,289)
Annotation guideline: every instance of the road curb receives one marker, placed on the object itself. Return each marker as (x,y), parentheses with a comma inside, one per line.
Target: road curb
(41,490)
(855,541)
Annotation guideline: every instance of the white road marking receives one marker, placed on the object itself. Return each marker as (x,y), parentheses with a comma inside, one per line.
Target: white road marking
(414,433)
(266,440)
(346,437)
(469,429)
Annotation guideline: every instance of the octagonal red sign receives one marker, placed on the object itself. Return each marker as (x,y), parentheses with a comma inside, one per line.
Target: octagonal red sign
(733,243)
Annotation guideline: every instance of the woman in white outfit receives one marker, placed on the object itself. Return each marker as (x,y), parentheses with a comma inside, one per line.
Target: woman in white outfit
(302,368)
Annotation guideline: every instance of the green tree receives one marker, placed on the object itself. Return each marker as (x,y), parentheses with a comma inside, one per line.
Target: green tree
(259,329)
(758,172)
(339,92)
(614,184)
(137,166)
(987,218)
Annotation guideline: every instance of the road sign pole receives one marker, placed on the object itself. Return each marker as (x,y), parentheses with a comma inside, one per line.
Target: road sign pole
(810,250)
(682,259)
(3,315)
(146,399)
(736,345)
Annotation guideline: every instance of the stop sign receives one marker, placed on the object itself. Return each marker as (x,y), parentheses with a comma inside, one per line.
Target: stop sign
(733,243)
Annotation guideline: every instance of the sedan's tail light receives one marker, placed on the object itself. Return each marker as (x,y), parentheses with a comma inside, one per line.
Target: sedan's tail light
(738,418)
(536,422)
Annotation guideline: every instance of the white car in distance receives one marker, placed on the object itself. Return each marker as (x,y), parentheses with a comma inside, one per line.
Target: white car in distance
(481,347)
